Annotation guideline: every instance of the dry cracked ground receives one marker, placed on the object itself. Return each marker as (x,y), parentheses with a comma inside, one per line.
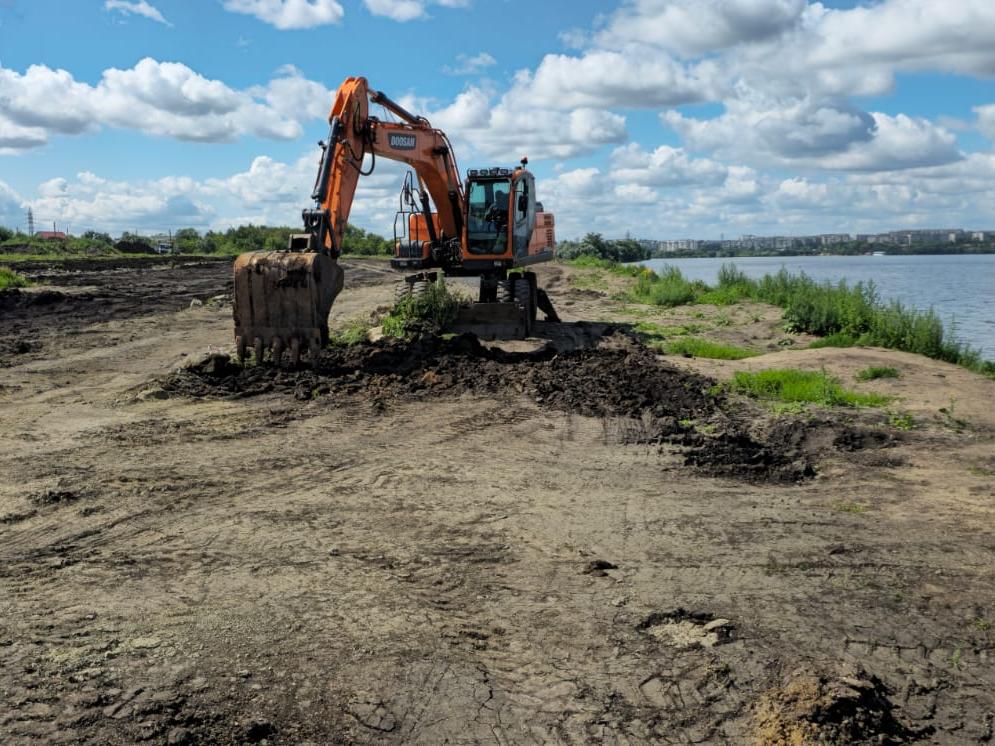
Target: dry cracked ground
(574,543)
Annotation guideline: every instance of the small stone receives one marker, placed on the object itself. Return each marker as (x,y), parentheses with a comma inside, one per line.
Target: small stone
(715,624)
(620,601)
(196,303)
(198,684)
(598,567)
(333,552)
(243,674)
(178,737)
(146,643)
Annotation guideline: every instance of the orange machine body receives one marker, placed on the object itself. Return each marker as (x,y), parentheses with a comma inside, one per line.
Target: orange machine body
(445,224)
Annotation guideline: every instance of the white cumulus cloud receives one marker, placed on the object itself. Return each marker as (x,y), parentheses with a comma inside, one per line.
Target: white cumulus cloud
(159,98)
(470,64)
(289,14)
(139,8)
(408,10)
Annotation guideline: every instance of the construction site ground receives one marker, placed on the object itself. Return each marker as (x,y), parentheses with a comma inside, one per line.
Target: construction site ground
(570,539)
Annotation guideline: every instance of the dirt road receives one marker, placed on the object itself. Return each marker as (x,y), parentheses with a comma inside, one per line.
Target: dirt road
(446,546)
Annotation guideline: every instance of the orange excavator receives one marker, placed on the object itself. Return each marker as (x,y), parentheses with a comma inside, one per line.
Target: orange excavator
(491,226)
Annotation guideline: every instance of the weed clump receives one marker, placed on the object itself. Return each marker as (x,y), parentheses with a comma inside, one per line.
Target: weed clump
(875,372)
(427,312)
(11,279)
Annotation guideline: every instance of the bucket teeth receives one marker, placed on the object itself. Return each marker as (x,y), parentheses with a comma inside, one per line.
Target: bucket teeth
(282,301)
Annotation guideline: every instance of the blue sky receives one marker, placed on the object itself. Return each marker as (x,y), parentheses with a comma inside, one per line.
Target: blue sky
(658,118)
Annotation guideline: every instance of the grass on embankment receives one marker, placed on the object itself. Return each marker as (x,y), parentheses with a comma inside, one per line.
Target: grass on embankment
(877,371)
(841,313)
(698,347)
(660,338)
(10,279)
(800,387)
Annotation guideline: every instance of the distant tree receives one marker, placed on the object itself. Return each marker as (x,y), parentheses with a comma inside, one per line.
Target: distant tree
(594,244)
(132,243)
(98,237)
(628,250)
(359,241)
(6,233)
(186,241)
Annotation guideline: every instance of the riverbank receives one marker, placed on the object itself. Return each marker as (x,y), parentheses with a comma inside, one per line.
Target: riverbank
(842,314)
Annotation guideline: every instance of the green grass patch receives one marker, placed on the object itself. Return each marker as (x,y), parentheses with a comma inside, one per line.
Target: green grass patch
(11,279)
(839,339)
(849,507)
(901,420)
(875,372)
(811,387)
(430,311)
(354,332)
(698,347)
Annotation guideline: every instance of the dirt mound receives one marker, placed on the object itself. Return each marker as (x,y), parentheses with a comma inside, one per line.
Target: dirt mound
(844,707)
(642,399)
(15,298)
(617,379)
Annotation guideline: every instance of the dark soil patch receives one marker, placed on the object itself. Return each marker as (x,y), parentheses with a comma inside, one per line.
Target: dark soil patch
(620,380)
(54,497)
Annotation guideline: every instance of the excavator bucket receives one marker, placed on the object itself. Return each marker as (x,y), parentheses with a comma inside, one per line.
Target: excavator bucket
(282,301)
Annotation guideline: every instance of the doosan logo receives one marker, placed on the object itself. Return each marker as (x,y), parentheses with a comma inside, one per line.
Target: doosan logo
(402,142)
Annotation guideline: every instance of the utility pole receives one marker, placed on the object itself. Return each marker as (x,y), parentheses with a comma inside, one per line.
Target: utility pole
(31,222)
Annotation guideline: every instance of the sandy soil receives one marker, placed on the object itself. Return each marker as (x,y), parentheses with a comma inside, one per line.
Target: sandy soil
(473,563)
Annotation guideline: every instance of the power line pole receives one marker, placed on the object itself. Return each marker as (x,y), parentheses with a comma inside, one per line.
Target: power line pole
(31,222)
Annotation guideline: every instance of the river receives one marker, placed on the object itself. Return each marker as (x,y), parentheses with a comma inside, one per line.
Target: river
(960,288)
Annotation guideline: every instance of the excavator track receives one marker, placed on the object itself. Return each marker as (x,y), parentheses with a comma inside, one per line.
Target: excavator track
(282,301)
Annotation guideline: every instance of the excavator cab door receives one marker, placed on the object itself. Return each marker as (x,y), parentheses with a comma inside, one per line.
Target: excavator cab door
(523,219)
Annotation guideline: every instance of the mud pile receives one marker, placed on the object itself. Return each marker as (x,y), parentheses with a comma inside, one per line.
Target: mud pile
(619,380)
(845,707)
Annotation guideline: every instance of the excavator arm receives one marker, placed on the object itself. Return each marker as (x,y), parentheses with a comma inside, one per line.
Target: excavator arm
(354,134)
(282,299)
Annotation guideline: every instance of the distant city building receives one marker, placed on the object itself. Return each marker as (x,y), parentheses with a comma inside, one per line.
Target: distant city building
(162,243)
(816,242)
(55,235)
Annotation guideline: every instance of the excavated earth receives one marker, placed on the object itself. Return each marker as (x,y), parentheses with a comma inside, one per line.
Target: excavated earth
(570,540)
(618,380)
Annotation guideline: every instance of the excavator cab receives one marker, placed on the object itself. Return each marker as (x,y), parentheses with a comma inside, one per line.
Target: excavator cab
(488,211)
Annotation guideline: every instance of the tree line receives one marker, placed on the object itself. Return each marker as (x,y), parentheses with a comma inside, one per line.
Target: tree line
(190,241)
